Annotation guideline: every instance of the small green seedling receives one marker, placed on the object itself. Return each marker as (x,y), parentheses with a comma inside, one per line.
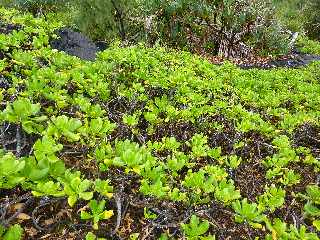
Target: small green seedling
(97,213)
(194,229)
(92,236)
(76,188)
(149,215)
(248,212)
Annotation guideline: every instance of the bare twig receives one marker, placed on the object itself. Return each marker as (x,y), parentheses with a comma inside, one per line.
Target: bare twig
(293,39)
(119,213)
(19,143)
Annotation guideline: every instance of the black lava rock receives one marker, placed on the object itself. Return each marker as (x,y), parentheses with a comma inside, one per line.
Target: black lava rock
(7,28)
(75,44)
(297,60)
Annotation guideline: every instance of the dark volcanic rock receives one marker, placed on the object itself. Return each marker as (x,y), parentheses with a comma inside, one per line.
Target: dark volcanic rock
(75,44)
(101,45)
(294,61)
(7,28)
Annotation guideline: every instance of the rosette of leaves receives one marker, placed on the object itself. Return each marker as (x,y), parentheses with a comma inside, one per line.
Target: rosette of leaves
(195,229)
(97,212)
(23,111)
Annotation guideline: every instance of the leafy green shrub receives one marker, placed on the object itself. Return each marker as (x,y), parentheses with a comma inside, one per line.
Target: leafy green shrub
(196,228)
(308,46)
(232,28)
(300,16)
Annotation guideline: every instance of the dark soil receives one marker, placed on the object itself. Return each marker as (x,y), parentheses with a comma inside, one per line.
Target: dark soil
(256,146)
(250,179)
(308,135)
(14,138)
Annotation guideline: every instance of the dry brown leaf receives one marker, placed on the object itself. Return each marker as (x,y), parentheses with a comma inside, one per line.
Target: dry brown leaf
(49,221)
(23,216)
(47,236)
(18,206)
(31,231)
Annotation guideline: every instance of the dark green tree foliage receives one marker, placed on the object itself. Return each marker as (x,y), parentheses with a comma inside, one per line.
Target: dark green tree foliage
(312,15)
(230,28)
(38,7)
(103,19)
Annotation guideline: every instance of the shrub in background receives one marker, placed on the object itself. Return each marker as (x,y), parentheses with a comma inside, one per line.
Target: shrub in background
(228,28)
(104,19)
(312,16)
(290,13)
(231,28)
(37,7)
(300,16)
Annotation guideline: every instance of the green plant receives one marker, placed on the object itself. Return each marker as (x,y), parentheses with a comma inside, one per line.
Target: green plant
(272,199)
(91,236)
(194,229)
(45,149)
(10,171)
(226,25)
(96,128)
(64,126)
(226,192)
(24,112)
(290,178)
(199,145)
(312,23)
(97,212)
(15,232)
(37,7)
(103,187)
(232,161)
(199,182)
(308,46)
(195,119)
(48,188)
(311,208)
(130,120)
(248,212)
(157,188)
(280,230)
(149,214)
(76,188)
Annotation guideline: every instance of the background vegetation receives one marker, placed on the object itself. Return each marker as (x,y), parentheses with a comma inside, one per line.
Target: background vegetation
(231,29)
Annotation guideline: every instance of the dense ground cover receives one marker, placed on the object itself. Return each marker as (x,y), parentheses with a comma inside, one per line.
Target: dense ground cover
(149,143)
